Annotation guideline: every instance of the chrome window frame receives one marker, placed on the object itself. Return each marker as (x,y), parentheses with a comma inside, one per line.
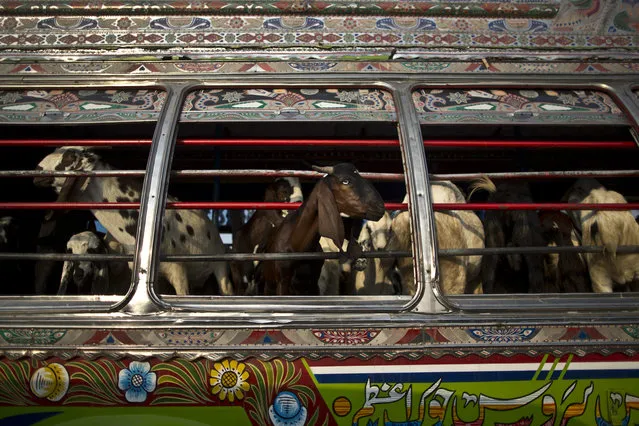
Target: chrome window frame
(427,305)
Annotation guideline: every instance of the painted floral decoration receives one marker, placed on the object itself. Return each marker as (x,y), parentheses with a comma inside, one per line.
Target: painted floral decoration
(137,381)
(229,378)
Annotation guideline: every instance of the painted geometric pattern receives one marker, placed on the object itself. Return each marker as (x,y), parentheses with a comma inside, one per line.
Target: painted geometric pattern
(274,31)
(289,104)
(321,63)
(516,106)
(613,24)
(52,105)
(512,8)
(318,337)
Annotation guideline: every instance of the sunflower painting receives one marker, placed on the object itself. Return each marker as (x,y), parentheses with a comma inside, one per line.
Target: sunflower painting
(228,378)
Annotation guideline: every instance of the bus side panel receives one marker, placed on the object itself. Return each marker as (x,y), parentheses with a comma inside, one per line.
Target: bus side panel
(409,389)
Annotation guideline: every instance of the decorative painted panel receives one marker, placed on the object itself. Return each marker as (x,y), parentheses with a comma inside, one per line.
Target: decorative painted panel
(324,62)
(289,104)
(80,106)
(317,338)
(586,26)
(513,390)
(529,106)
(512,8)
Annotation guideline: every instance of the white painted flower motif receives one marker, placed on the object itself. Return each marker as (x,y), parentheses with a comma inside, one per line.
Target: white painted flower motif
(347,95)
(567,99)
(10,97)
(530,94)
(137,381)
(120,97)
(458,97)
(232,96)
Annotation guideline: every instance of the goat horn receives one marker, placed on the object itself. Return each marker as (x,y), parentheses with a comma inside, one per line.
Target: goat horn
(328,169)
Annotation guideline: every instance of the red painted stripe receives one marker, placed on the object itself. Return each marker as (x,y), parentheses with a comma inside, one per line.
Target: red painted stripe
(195,205)
(473,359)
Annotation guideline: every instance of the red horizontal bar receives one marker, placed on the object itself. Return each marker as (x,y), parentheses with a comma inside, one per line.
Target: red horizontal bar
(194,205)
(535,206)
(528,144)
(201,205)
(325,142)
(201,142)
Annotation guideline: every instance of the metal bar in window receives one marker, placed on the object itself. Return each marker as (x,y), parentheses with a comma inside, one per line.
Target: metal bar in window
(391,177)
(201,205)
(278,256)
(533,250)
(66,256)
(199,257)
(326,142)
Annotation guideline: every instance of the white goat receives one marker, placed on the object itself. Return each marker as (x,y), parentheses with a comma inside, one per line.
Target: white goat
(459,229)
(364,276)
(372,276)
(608,229)
(329,280)
(183,231)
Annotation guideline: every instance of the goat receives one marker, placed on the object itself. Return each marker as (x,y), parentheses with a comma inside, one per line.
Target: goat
(565,272)
(256,231)
(371,276)
(341,192)
(87,277)
(511,228)
(607,229)
(183,232)
(455,229)
(13,272)
(8,234)
(331,276)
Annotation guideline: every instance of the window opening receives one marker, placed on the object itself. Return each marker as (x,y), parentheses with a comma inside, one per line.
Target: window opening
(72,164)
(261,146)
(547,176)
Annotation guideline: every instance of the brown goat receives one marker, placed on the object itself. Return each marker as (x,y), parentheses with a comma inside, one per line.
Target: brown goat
(256,231)
(564,272)
(341,192)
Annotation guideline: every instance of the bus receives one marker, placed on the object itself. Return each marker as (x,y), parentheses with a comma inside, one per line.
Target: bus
(138,139)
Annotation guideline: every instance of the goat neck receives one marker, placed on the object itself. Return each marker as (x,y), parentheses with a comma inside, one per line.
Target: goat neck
(305,235)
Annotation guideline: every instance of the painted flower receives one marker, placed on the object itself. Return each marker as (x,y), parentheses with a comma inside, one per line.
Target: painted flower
(228,378)
(137,381)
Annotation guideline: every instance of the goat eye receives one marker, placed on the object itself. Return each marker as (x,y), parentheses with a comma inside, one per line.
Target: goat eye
(346,181)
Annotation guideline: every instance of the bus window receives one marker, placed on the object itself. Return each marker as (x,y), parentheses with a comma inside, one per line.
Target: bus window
(247,158)
(545,176)
(72,165)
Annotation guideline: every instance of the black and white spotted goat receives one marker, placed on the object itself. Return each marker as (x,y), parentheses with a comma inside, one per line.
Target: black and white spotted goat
(184,231)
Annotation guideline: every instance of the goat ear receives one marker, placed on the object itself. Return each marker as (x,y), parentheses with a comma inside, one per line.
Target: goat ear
(65,278)
(330,221)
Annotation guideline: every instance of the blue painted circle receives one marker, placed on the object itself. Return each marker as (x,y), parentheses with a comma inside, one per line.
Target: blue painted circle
(287,405)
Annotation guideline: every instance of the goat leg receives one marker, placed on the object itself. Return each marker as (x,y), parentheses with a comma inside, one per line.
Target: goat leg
(495,237)
(176,274)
